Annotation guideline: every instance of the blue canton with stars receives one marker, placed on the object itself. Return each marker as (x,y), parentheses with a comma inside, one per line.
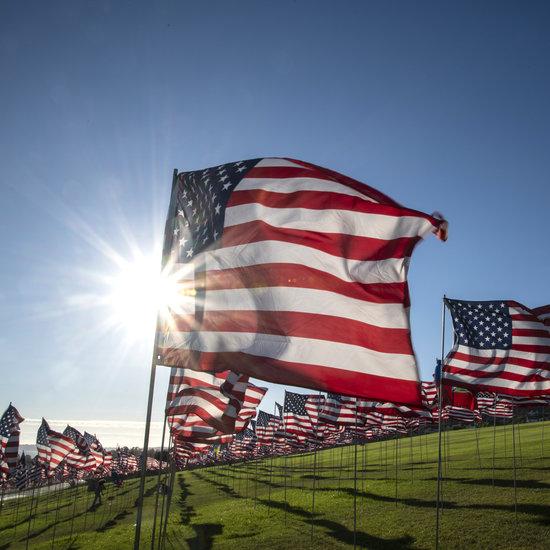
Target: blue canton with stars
(481,325)
(295,403)
(201,199)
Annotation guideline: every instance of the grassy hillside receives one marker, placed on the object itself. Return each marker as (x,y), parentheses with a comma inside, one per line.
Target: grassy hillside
(268,504)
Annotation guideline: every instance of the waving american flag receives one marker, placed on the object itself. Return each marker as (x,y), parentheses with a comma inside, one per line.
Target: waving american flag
(300,278)
(499,346)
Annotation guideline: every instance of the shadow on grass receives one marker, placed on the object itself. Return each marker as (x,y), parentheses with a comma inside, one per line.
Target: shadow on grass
(520,483)
(416,502)
(204,535)
(341,533)
(113,522)
(186,511)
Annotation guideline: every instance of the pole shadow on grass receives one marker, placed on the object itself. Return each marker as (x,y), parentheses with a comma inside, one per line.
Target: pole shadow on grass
(204,532)
(520,483)
(340,532)
(415,502)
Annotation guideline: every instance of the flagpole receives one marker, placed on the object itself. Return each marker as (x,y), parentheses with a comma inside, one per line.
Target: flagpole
(314,470)
(542,435)
(440,404)
(494,443)
(514,462)
(30,519)
(477,446)
(169,502)
(396,462)
(158,483)
(355,484)
(154,359)
(165,497)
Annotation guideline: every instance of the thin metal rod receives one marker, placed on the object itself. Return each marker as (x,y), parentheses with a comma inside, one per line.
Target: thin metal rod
(355,484)
(170,492)
(396,463)
(440,400)
(314,476)
(145,448)
(158,483)
(30,519)
(477,446)
(494,445)
(165,497)
(514,463)
(74,510)
(542,435)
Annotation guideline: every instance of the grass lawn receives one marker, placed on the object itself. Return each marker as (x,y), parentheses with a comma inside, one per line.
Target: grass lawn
(268,504)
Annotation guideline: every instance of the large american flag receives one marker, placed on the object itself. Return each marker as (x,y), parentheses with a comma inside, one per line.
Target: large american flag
(499,346)
(543,313)
(300,278)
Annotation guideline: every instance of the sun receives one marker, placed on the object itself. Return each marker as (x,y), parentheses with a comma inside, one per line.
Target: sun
(139,291)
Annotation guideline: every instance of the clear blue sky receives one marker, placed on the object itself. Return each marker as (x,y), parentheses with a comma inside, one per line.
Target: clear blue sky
(442,105)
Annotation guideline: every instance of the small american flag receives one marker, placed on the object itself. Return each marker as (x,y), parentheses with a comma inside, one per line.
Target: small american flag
(429,394)
(60,445)
(266,426)
(300,278)
(216,398)
(337,411)
(297,422)
(500,346)
(42,443)
(9,438)
(490,404)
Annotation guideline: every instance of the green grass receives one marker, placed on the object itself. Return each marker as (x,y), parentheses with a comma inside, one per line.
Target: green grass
(244,506)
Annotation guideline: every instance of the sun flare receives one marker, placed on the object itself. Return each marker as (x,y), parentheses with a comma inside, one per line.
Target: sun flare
(139,292)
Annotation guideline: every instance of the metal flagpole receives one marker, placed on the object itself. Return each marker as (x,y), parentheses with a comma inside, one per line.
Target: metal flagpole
(494,444)
(152,384)
(477,446)
(396,462)
(542,434)
(74,509)
(520,446)
(165,497)
(440,405)
(30,519)
(56,513)
(314,473)
(514,462)
(355,484)
(158,483)
(272,453)
(170,491)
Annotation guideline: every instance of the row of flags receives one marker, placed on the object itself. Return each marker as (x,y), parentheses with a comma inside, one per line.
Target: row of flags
(60,456)
(215,418)
(307,421)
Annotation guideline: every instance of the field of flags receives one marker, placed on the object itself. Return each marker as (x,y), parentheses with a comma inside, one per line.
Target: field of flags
(351,489)
(295,274)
